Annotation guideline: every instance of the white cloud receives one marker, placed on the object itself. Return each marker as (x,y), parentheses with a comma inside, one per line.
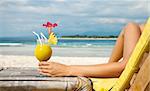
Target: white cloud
(81,13)
(149,8)
(60,0)
(78,7)
(116,20)
(16,2)
(39,10)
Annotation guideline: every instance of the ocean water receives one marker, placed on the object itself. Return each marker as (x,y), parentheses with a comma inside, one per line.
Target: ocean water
(65,47)
(61,42)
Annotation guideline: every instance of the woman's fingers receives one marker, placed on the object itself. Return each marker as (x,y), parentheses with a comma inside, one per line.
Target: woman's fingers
(47,74)
(44,67)
(44,63)
(44,70)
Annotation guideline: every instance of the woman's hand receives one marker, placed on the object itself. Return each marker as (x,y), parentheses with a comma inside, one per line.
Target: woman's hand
(53,69)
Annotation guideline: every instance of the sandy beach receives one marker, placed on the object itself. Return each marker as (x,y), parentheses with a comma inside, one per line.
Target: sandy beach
(59,51)
(23,56)
(31,61)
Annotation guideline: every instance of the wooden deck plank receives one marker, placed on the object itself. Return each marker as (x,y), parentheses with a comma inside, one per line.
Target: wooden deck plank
(28,79)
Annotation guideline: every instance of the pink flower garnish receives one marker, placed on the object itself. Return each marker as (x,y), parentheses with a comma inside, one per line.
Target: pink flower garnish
(49,24)
(55,25)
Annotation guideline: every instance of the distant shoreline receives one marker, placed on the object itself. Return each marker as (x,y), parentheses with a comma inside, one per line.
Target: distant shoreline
(88,38)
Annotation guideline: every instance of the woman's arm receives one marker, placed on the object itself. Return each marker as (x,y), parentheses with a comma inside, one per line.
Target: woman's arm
(99,70)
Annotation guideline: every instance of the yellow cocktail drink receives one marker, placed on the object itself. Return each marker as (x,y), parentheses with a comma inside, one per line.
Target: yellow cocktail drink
(43,51)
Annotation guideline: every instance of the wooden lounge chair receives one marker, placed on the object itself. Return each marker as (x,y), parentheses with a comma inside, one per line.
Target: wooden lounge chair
(123,82)
(142,79)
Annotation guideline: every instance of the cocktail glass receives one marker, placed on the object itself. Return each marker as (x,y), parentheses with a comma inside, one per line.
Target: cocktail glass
(43,52)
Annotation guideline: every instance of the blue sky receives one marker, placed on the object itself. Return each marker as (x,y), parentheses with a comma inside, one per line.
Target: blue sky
(83,17)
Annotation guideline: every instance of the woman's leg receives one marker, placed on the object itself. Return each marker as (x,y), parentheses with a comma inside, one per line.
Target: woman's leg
(121,48)
(131,36)
(117,52)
